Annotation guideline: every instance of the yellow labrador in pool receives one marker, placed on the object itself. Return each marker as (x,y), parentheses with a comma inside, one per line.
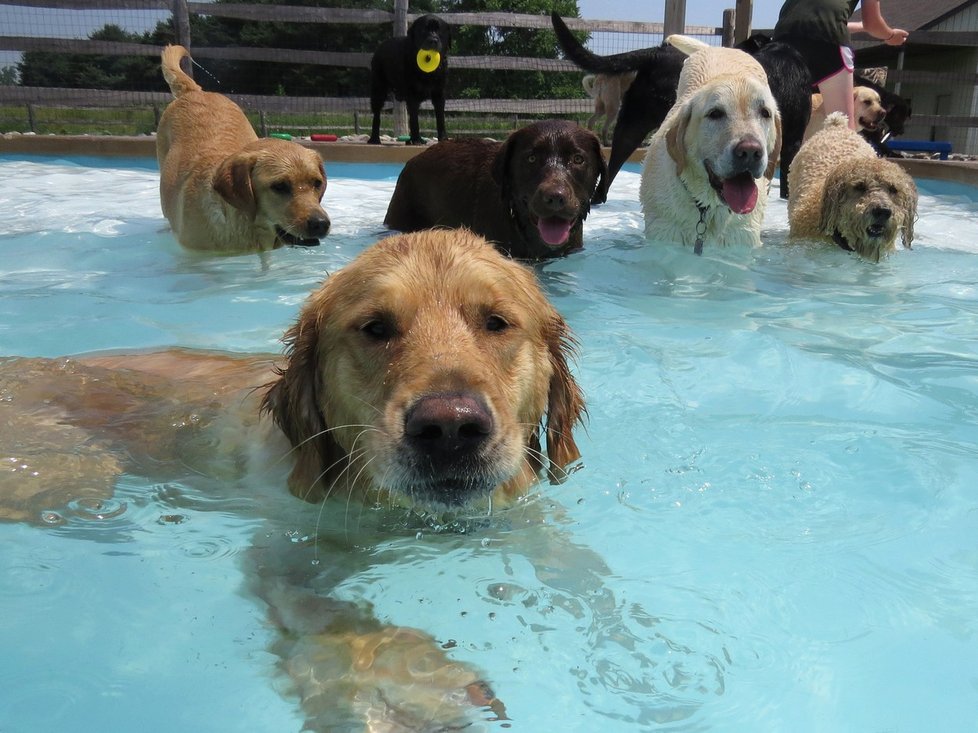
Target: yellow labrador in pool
(222,188)
(706,173)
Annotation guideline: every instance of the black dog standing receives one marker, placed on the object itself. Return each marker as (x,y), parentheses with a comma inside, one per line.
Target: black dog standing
(413,69)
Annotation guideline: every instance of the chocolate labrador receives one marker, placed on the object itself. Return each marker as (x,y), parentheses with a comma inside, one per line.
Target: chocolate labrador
(413,68)
(528,195)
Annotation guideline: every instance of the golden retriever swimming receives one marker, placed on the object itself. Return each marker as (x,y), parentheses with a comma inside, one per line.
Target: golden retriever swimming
(221,187)
(430,372)
(706,173)
(842,192)
(419,372)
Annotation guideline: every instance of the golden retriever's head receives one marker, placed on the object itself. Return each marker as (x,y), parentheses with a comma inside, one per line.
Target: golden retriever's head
(729,132)
(279,185)
(423,370)
(868,108)
(866,203)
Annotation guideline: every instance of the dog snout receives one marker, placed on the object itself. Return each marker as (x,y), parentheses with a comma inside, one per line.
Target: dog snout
(448,425)
(748,153)
(555,198)
(317,225)
(881,214)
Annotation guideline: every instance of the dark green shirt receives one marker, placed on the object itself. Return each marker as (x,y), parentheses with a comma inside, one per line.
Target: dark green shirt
(824,20)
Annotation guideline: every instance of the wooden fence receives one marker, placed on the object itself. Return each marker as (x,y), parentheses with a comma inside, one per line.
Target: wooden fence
(29,99)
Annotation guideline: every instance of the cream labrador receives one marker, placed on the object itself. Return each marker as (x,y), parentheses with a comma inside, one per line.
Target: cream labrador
(708,167)
(867,107)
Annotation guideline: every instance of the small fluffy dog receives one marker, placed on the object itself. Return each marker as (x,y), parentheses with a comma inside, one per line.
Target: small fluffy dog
(607,91)
(528,195)
(419,374)
(706,173)
(842,193)
(867,107)
(394,69)
(221,187)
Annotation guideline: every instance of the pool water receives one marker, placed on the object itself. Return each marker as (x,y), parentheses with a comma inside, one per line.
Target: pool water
(774,526)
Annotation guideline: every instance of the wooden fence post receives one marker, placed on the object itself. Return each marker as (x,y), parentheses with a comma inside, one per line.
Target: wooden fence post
(742,24)
(727,31)
(675,17)
(181,25)
(400,30)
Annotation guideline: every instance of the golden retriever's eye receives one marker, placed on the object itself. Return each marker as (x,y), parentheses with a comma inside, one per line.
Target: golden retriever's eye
(378,329)
(716,114)
(283,187)
(765,113)
(578,159)
(496,323)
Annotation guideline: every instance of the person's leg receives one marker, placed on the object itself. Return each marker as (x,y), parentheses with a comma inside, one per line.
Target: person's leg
(836,90)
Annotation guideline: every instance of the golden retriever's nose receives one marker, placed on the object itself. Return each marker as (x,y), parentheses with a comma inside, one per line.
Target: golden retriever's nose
(447,425)
(317,225)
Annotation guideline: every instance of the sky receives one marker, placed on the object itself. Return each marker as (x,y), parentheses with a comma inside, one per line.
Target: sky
(698,12)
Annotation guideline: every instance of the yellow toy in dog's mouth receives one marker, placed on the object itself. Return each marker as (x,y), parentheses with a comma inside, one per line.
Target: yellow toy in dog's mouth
(428,60)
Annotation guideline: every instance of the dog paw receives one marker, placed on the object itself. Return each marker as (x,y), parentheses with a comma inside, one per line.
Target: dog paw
(393,679)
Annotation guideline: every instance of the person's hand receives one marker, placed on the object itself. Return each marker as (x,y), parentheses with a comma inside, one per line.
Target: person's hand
(897,38)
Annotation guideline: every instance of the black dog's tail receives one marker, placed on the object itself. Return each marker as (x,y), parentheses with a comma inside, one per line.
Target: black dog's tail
(618,63)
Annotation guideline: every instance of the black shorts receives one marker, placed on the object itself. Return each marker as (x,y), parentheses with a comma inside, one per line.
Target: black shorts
(824,58)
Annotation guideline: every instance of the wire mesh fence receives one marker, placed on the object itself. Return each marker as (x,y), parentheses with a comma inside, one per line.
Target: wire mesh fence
(69,66)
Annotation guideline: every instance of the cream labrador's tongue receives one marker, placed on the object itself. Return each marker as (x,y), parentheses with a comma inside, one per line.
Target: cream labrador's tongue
(554,230)
(740,193)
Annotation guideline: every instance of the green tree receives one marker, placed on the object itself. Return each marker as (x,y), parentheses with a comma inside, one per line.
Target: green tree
(519,42)
(142,73)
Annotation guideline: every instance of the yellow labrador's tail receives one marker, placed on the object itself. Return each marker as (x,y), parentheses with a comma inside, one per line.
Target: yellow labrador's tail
(588,83)
(686,44)
(179,82)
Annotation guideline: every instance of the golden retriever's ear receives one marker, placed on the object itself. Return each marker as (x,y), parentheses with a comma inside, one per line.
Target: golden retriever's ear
(676,137)
(293,401)
(833,203)
(232,180)
(774,156)
(565,402)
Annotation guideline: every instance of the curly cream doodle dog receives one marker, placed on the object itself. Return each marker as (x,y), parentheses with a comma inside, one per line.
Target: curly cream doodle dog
(842,193)
(425,373)
(221,187)
(706,173)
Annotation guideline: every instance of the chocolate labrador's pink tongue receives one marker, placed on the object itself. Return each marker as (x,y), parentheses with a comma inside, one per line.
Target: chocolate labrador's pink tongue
(740,193)
(554,230)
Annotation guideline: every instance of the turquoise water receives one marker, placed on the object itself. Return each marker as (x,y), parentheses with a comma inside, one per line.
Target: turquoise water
(773,529)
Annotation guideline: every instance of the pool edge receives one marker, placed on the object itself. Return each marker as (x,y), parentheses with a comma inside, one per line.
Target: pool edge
(955,171)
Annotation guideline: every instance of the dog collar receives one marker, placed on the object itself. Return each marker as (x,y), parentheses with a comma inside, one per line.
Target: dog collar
(701,224)
(841,241)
